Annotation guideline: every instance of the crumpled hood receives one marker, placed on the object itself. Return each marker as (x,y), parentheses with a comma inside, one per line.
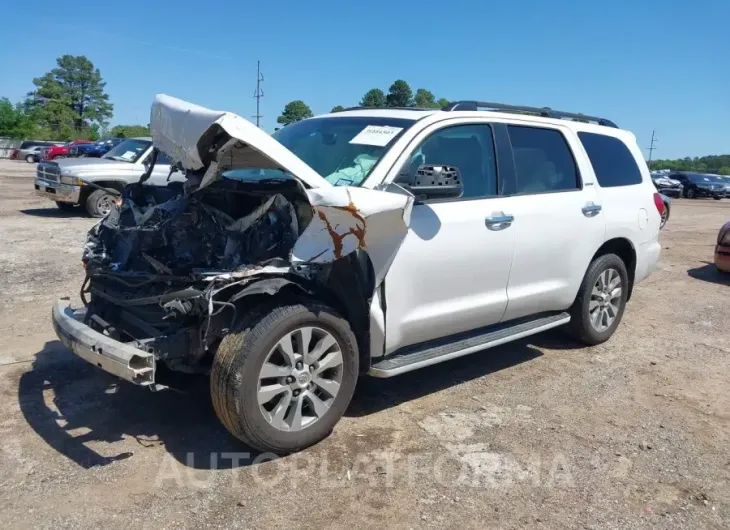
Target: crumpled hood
(191,136)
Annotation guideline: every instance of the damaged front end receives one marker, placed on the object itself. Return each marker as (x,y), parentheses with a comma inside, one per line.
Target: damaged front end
(173,268)
(166,269)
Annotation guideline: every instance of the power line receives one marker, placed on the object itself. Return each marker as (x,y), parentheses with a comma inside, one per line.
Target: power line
(259,93)
(651,147)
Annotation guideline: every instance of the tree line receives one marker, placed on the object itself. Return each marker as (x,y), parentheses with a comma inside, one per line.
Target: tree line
(68,103)
(717,164)
(399,94)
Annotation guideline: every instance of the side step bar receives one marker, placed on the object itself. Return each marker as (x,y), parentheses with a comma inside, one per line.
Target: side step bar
(433,352)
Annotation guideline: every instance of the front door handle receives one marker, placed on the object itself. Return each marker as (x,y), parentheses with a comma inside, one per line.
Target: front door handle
(499,221)
(591,210)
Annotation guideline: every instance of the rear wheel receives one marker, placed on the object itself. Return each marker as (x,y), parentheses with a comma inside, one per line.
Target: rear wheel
(284,377)
(58,157)
(30,159)
(601,300)
(99,203)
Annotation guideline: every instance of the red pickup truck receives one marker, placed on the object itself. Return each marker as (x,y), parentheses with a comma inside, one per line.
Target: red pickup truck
(61,151)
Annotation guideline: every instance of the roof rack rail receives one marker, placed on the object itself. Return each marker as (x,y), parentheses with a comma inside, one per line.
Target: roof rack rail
(545,112)
(387,108)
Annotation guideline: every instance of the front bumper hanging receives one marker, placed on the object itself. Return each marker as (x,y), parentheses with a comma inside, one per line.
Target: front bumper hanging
(127,362)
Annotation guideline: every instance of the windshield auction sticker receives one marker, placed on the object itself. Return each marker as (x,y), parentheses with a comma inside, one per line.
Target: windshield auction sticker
(376,135)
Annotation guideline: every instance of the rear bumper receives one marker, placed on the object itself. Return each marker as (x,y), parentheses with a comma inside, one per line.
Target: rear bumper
(647,259)
(124,361)
(56,191)
(722,257)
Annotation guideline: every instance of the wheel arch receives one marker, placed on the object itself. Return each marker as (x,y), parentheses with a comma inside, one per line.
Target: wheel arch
(104,183)
(625,250)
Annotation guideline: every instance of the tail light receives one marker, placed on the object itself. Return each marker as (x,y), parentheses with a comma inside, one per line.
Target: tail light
(659,203)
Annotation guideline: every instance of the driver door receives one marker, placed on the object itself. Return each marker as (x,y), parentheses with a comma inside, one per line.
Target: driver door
(451,272)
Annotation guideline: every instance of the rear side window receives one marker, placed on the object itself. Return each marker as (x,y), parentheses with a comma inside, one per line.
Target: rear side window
(543,160)
(612,161)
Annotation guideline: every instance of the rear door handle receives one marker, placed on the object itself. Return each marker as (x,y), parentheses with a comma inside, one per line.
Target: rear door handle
(591,210)
(499,221)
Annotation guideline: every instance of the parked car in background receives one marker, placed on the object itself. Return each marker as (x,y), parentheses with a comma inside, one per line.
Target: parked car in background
(724,179)
(667,186)
(96,149)
(61,151)
(700,185)
(29,149)
(722,250)
(93,182)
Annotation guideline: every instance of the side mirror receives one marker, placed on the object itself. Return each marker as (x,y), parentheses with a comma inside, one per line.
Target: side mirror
(437,182)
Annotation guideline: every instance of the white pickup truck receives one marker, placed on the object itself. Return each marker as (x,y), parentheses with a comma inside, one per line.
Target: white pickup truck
(368,241)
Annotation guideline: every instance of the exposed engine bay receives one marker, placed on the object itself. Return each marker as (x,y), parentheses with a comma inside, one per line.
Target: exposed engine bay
(166,270)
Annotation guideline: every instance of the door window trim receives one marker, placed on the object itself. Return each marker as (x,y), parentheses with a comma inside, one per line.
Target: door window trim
(566,139)
(429,131)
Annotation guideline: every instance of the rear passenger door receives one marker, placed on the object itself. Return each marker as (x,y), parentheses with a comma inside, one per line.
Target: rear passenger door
(558,221)
(628,204)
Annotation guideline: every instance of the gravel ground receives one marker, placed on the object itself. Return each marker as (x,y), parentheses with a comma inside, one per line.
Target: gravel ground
(542,433)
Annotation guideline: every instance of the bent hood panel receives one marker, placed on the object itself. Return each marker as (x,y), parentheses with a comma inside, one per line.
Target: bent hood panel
(179,130)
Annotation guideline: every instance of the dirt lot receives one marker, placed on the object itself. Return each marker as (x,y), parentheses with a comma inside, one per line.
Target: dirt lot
(544,434)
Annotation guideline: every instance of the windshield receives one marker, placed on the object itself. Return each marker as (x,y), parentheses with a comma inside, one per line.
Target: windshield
(701,179)
(129,150)
(344,150)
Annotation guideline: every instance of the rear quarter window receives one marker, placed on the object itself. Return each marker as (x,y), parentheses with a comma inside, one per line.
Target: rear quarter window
(612,162)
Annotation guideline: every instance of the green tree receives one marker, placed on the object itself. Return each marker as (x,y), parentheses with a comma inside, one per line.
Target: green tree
(14,122)
(294,111)
(70,99)
(337,108)
(425,99)
(441,103)
(129,131)
(373,98)
(399,94)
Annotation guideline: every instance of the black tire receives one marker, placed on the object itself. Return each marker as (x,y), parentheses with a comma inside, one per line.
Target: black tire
(690,193)
(94,202)
(66,206)
(238,361)
(580,326)
(30,159)
(717,198)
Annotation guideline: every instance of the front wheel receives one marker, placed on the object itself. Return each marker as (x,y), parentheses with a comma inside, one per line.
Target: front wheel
(601,300)
(30,159)
(690,193)
(99,203)
(284,376)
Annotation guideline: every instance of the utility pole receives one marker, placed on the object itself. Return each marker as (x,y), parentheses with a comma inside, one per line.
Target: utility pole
(651,147)
(259,93)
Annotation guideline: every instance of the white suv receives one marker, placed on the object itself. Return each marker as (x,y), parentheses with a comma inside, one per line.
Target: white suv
(368,241)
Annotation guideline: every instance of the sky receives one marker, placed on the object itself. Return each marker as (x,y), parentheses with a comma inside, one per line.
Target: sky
(645,64)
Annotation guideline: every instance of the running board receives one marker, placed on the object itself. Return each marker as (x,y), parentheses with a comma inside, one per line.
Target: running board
(433,352)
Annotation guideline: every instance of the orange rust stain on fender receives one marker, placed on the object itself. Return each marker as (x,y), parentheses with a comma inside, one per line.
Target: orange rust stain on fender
(336,238)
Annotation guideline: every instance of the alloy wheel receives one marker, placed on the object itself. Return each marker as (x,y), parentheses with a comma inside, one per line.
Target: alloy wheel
(603,307)
(300,378)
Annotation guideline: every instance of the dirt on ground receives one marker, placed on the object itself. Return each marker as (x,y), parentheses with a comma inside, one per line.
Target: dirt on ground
(542,433)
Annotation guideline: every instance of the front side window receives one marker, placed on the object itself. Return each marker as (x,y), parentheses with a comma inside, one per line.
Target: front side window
(129,150)
(344,150)
(470,148)
(543,160)
(612,162)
